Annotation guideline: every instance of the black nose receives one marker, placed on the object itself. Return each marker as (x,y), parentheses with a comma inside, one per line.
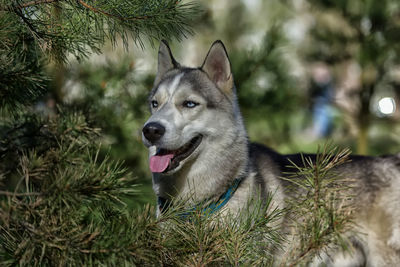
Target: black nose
(153,131)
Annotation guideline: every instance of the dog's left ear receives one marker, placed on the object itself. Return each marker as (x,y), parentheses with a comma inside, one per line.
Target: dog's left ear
(218,67)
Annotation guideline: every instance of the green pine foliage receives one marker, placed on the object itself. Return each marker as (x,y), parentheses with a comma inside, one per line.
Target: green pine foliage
(22,77)
(36,33)
(93,228)
(78,27)
(114,95)
(321,211)
(57,190)
(247,239)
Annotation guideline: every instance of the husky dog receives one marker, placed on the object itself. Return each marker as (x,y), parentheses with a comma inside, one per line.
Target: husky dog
(199,147)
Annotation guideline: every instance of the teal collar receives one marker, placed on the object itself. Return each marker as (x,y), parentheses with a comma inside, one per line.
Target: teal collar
(209,209)
(223,199)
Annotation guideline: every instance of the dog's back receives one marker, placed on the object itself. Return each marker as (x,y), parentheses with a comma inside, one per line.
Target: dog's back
(375,196)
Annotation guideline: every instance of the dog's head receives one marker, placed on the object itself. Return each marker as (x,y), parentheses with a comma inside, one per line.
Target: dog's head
(190,108)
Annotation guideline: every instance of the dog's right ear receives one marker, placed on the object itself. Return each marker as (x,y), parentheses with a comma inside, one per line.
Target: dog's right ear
(166,61)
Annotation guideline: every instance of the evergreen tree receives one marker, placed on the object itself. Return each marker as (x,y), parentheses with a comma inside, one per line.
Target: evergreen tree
(37,37)
(57,192)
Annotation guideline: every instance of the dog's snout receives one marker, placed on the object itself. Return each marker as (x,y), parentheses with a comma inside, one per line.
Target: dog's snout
(153,131)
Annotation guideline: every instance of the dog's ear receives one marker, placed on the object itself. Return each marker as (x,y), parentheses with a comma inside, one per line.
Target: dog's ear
(218,67)
(166,61)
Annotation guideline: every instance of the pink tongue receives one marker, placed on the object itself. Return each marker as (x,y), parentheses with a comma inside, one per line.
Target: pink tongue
(160,163)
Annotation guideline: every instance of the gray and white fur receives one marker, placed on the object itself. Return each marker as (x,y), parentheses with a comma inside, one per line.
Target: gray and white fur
(195,114)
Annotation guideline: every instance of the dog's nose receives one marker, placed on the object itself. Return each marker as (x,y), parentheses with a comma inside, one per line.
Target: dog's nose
(153,131)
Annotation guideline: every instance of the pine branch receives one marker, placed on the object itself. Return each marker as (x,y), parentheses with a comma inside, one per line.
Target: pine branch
(96,10)
(34,32)
(12,194)
(83,3)
(321,211)
(28,4)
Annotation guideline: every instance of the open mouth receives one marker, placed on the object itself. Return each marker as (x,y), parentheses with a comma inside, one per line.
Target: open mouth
(166,160)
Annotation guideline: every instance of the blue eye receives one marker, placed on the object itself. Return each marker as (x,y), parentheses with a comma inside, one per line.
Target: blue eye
(189,104)
(154,104)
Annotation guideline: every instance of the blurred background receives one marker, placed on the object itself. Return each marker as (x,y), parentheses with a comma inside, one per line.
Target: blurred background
(306,72)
